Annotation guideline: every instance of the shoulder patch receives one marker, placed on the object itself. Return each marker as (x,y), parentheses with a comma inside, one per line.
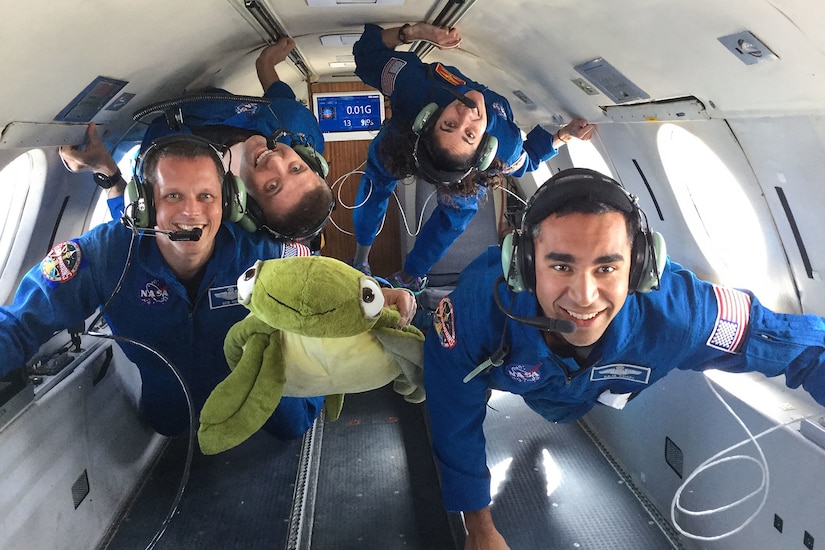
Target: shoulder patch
(444,323)
(444,73)
(62,262)
(732,318)
(390,73)
(516,165)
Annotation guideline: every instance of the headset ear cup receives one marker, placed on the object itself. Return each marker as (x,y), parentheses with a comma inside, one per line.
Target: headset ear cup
(654,265)
(314,160)
(511,263)
(138,202)
(486,152)
(252,218)
(425,117)
(234,197)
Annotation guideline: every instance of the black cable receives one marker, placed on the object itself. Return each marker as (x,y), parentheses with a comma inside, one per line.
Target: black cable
(184,386)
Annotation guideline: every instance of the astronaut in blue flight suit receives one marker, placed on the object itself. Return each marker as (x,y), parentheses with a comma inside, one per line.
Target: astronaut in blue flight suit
(178,297)
(285,176)
(586,262)
(447,129)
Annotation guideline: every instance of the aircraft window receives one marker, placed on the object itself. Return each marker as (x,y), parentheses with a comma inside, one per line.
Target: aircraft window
(101,212)
(21,190)
(584,154)
(716,209)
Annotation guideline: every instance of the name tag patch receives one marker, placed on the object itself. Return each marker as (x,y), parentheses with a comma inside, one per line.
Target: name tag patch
(224,296)
(621,371)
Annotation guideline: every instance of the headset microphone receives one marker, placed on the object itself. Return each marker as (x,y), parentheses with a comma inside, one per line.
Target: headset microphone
(272,139)
(192,235)
(469,103)
(548,324)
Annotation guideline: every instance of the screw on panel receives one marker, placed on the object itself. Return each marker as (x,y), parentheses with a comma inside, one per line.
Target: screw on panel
(808,541)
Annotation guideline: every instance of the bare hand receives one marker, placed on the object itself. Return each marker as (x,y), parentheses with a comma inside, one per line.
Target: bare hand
(441,37)
(93,158)
(404,301)
(580,129)
(277,52)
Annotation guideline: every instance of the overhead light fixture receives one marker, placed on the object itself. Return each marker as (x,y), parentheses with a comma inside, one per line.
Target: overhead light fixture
(339,39)
(342,64)
(610,81)
(749,49)
(334,3)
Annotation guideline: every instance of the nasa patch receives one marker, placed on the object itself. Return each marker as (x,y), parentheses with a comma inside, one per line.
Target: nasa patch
(248,108)
(444,323)
(523,373)
(62,262)
(498,108)
(154,292)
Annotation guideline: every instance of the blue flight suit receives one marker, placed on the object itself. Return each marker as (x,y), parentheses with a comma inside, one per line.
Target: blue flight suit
(410,85)
(284,111)
(152,307)
(688,324)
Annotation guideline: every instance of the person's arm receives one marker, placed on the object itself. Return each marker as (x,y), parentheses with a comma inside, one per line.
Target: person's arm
(94,157)
(269,58)
(540,145)
(408,33)
(578,128)
(481,532)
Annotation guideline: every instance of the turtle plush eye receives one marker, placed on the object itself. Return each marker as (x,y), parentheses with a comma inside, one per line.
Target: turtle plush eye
(372,300)
(246,282)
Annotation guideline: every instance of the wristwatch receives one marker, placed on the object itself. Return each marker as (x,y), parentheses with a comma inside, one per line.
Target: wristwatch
(402,33)
(105,182)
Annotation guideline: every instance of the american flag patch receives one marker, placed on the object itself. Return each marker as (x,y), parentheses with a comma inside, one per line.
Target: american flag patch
(292,250)
(732,318)
(390,72)
(516,165)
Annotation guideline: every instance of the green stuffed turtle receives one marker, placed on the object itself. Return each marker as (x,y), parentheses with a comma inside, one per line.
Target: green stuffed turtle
(317,327)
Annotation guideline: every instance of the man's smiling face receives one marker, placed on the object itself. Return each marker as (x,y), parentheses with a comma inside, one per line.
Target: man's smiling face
(582,271)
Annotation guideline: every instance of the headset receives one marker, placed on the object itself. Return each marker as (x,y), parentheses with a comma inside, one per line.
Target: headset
(139,198)
(300,144)
(648,254)
(423,125)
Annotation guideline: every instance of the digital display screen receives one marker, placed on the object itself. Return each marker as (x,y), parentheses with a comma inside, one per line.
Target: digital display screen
(353,113)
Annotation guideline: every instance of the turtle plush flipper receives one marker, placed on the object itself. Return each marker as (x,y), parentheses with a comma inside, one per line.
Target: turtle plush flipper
(334,405)
(245,399)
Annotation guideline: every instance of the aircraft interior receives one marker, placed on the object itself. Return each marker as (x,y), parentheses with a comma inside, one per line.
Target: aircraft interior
(711,113)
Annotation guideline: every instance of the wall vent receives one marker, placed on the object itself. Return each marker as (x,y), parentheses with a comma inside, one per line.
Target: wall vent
(80,489)
(674,457)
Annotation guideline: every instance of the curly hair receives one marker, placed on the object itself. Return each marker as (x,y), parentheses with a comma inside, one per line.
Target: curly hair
(396,154)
